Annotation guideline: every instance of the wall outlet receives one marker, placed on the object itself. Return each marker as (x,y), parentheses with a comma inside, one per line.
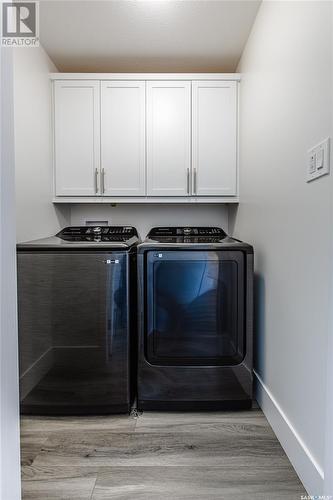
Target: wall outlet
(318,162)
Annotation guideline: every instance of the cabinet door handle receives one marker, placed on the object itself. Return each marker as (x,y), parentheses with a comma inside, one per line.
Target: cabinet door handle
(188,181)
(103,180)
(96,180)
(195,181)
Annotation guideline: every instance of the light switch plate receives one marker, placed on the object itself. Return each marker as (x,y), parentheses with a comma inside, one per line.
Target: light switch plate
(318,160)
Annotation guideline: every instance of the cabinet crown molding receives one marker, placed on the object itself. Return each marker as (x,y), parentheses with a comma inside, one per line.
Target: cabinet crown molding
(145,76)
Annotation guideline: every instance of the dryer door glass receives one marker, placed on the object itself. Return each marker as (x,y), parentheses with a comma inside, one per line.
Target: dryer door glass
(195,308)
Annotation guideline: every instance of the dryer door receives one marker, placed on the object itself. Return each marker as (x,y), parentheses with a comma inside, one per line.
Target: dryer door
(195,308)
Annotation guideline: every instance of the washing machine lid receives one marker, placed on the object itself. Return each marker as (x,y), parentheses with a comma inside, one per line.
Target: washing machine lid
(87,237)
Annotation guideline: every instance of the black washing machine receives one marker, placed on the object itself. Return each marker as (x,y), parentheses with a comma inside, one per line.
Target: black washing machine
(195,320)
(76,297)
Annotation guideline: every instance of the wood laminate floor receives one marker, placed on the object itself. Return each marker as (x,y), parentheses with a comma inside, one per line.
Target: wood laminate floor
(224,455)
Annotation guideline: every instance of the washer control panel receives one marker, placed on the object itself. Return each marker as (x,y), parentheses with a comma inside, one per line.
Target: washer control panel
(98,233)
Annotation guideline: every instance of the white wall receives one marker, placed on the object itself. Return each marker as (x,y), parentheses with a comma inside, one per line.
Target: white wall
(9,398)
(144,217)
(286,94)
(35,214)
(328,488)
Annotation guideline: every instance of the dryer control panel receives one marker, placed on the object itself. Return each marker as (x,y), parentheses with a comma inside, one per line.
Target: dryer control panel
(213,232)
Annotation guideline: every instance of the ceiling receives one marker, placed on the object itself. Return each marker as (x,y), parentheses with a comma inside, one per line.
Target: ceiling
(146,36)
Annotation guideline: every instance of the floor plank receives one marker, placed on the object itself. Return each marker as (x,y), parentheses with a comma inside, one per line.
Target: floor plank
(65,489)
(204,448)
(31,446)
(49,473)
(50,425)
(226,483)
(242,422)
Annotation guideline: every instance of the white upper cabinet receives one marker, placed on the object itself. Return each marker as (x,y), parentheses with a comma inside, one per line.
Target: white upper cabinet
(134,137)
(123,138)
(214,138)
(168,138)
(77,137)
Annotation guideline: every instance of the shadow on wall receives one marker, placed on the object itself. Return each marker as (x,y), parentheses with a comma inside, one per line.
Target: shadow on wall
(259,302)
(259,325)
(232,217)
(63,214)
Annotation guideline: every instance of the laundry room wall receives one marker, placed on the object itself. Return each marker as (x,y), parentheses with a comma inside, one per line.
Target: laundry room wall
(286,103)
(9,390)
(35,215)
(144,217)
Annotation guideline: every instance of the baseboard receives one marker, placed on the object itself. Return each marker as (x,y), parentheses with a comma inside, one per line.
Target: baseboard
(308,470)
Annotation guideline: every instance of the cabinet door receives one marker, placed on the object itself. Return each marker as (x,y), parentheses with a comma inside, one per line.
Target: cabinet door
(77,137)
(214,137)
(123,138)
(168,138)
